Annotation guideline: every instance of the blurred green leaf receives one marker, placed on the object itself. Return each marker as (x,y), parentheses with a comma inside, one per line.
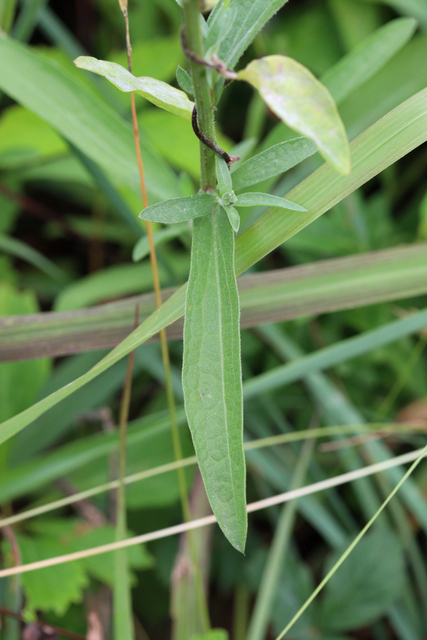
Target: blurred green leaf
(156,57)
(7,13)
(294,94)
(371,579)
(81,117)
(160,93)
(271,296)
(23,251)
(25,138)
(141,250)
(111,282)
(370,56)
(28,377)
(55,588)
(214,634)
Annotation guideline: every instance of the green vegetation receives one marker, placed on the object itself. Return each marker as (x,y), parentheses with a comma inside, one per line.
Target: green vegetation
(283,146)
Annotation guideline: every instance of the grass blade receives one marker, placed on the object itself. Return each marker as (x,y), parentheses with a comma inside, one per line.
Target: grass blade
(272,296)
(81,117)
(337,353)
(211,375)
(369,57)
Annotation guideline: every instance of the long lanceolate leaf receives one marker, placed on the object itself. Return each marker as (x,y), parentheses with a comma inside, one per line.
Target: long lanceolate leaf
(212,372)
(395,135)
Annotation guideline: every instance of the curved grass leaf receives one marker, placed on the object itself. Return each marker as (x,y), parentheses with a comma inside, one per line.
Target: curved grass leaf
(266,200)
(160,93)
(392,137)
(20,249)
(369,57)
(303,103)
(273,161)
(272,296)
(180,209)
(211,374)
(77,113)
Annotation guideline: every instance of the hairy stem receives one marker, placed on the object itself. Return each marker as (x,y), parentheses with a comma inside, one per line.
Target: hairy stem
(204,104)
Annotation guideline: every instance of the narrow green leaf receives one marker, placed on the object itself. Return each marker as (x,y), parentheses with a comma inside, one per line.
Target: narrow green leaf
(160,93)
(7,13)
(335,354)
(303,103)
(233,217)
(77,113)
(264,199)
(272,162)
(180,209)
(369,57)
(212,373)
(20,249)
(388,140)
(415,8)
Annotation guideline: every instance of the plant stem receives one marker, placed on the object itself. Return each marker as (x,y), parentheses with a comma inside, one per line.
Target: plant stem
(194,39)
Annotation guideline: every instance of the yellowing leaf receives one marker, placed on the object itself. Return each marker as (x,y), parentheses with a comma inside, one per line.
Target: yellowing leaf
(159,93)
(303,103)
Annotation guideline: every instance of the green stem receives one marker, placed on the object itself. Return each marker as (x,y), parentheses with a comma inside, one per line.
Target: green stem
(202,94)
